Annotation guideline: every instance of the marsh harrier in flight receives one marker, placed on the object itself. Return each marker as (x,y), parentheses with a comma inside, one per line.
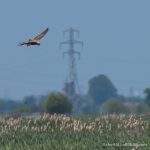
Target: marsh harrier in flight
(36,40)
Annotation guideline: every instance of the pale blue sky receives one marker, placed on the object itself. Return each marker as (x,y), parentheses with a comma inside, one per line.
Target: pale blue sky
(116,35)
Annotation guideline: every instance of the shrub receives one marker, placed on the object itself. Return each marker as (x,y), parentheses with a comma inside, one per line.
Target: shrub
(142,108)
(114,106)
(24,109)
(57,103)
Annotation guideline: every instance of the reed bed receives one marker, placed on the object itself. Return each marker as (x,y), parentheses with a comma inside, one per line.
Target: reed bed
(50,132)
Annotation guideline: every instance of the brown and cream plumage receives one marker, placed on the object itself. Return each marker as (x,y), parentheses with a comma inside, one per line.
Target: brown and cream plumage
(36,40)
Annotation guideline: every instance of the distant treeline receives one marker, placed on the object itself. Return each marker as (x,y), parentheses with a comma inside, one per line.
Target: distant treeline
(101,97)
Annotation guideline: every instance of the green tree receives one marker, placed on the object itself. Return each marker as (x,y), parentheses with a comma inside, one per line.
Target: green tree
(58,103)
(147,98)
(114,106)
(101,88)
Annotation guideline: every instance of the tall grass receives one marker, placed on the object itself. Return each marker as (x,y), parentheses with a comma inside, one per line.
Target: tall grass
(56,132)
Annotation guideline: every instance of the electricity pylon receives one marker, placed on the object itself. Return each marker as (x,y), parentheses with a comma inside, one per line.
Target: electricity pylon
(71,87)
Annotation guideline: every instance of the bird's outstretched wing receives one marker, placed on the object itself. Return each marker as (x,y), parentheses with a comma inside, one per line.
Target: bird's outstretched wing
(41,35)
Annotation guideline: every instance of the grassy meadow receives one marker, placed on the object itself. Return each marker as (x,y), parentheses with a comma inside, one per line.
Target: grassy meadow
(61,132)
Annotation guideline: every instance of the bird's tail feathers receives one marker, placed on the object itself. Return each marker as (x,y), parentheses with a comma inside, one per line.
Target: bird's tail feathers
(20,44)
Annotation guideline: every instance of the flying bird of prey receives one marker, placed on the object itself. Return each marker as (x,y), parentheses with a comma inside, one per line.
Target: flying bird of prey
(36,40)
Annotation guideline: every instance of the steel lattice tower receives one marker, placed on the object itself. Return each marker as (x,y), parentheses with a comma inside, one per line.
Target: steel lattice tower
(71,87)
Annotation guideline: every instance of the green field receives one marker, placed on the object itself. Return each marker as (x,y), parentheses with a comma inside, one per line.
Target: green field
(60,132)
